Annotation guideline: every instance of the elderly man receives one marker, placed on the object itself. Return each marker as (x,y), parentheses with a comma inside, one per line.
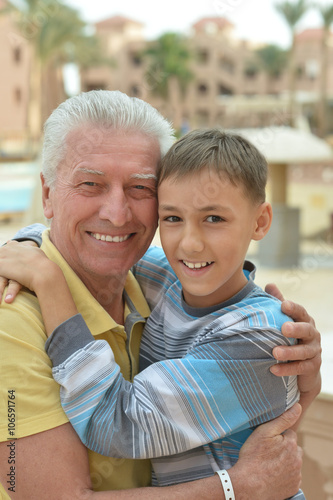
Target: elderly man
(100,154)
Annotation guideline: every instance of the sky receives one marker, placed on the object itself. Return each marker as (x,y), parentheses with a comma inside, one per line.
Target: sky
(255,20)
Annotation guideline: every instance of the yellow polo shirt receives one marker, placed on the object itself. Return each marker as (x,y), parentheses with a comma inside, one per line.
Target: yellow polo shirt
(26,369)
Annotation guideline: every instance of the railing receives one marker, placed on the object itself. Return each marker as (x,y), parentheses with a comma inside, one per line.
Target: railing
(18,146)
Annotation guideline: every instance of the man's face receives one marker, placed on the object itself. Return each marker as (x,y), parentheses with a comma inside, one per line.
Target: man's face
(103,203)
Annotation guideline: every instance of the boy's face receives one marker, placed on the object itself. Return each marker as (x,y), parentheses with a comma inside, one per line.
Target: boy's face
(206,225)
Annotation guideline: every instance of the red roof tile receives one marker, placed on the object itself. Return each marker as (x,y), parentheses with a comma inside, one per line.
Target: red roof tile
(221,22)
(310,34)
(116,21)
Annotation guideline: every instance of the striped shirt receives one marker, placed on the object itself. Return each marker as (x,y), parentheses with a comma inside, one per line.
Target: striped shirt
(205,382)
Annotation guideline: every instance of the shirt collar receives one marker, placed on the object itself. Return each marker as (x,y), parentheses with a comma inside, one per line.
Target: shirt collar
(97,319)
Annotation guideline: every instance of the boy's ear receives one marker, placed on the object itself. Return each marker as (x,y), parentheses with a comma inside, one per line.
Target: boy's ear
(263,221)
(47,204)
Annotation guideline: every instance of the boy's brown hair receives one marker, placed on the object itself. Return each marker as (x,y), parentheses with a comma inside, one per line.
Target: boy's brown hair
(222,152)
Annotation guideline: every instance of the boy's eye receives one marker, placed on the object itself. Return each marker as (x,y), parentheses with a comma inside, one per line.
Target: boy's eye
(172,218)
(214,218)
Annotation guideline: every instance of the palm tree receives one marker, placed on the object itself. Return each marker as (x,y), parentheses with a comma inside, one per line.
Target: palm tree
(56,34)
(272,60)
(327,19)
(292,12)
(168,71)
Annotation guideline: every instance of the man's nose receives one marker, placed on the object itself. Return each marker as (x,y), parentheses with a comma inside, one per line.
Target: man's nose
(115,208)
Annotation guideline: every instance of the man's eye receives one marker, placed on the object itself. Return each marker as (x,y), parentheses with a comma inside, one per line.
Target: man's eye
(214,218)
(89,183)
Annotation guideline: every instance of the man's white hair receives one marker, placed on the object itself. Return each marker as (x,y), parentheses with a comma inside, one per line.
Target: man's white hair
(105,110)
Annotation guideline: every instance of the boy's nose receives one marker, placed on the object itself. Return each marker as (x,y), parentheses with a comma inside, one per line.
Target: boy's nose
(192,241)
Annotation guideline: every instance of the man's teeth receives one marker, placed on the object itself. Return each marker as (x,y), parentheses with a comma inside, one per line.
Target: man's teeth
(196,265)
(107,237)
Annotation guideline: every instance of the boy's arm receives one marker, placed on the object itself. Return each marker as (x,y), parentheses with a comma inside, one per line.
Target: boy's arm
(33,232)
(35,271)
(53,465)
(305,357)
(173,405)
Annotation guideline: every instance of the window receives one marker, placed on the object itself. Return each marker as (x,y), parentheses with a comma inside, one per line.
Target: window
(95,86)
(312,69)
(227,65)
(202,89)
(202,56)
(17,54)
(251,71)
(299,72)
(223,90)
(211,28)
(135,58)
(135,91)
(17,95)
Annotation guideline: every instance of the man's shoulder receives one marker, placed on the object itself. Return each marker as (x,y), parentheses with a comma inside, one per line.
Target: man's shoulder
(22,321)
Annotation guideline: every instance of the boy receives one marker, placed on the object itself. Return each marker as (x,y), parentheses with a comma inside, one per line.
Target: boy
(200,393)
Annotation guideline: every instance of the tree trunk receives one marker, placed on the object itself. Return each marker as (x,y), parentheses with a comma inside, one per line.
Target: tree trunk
(292,75)
(175,99)
(323,85)
(34,106)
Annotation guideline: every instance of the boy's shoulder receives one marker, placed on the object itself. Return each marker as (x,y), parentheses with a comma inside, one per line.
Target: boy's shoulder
(154,274)
(264,304)
(154,262)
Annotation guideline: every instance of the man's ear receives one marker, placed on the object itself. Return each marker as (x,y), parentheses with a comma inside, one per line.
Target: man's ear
(47,204)
(263,221)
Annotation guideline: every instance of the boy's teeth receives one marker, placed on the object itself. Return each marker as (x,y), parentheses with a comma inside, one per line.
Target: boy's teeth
(196,265)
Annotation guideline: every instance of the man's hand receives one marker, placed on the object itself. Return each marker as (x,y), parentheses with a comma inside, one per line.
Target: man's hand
(305,357)
(269,465)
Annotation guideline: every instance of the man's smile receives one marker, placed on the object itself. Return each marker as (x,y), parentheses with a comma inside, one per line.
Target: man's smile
(109,238)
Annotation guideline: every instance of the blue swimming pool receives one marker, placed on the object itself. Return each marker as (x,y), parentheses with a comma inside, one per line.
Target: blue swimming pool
(17,182)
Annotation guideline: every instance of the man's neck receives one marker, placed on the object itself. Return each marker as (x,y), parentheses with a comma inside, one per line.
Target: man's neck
(109,294)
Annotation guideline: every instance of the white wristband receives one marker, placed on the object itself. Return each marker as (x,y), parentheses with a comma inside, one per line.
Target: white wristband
(226,484)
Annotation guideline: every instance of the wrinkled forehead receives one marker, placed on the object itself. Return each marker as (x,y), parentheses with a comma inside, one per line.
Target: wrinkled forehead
(91,141)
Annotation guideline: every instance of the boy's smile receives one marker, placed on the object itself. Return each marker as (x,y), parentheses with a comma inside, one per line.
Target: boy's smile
(206,225)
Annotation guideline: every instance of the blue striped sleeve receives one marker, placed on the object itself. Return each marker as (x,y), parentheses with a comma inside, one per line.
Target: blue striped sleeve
(173,405)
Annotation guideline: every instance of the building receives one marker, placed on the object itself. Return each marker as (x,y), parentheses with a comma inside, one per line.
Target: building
(228,87)
(14,88)
(21,116)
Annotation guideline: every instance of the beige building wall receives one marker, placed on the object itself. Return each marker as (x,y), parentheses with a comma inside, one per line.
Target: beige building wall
(14,84)
(122,42)
(222,66)
(316,438)
(224,90)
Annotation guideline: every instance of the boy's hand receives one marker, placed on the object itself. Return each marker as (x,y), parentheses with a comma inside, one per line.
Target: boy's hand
(10,267)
